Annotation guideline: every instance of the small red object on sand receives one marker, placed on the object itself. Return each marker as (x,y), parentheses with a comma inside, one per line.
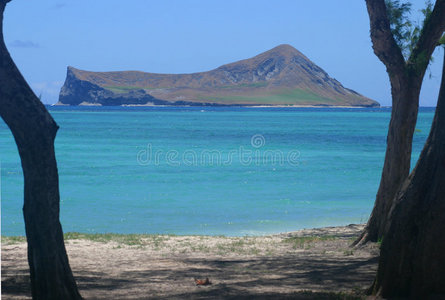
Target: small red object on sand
(202,282)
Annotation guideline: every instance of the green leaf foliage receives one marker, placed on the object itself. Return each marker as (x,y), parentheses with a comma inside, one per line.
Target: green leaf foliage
(442,40)
(405,32)
(401,26)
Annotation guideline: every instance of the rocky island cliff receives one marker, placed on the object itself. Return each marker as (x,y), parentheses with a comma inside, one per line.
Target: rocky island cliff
(280,76)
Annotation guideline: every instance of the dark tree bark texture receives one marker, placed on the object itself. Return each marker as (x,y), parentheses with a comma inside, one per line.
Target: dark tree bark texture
(406,81)
(412,258)
(34,131)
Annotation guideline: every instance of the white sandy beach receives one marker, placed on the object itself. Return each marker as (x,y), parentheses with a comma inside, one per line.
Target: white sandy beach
(306,264)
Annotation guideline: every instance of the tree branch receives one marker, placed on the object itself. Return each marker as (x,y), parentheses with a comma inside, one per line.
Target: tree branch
(383,43)
(16,95)
(431,33)
(3,4)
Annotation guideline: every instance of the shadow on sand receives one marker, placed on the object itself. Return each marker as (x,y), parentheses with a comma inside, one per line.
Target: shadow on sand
(292,277)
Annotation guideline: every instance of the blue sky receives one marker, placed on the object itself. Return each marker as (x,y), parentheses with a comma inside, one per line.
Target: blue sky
(178,36)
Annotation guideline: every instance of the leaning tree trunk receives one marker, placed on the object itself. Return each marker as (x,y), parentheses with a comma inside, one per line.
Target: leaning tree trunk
(406,80)
(412,258)
(397,162)
(34,131)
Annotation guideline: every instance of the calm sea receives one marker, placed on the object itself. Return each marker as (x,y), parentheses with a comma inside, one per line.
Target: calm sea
(230,171)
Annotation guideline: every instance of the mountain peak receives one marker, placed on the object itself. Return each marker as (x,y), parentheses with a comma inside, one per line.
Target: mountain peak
(280,55)
(279,76)
(285,49)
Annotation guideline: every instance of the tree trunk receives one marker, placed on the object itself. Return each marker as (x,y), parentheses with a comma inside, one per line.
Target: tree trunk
(34,131)
(406,81)
(412,258)
(397,162)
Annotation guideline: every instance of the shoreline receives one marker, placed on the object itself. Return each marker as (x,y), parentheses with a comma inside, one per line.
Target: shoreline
(57,104)
(87,104)
(336,230)
(306,264)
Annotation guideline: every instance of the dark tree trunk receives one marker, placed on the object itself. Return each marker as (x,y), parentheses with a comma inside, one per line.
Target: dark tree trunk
(406,81)
(34,131)
(412,258)
(397,158)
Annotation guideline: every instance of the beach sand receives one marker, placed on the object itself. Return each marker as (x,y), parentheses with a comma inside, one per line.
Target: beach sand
(306,264)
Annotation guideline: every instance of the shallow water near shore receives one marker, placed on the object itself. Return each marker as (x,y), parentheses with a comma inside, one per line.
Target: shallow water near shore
(210,170)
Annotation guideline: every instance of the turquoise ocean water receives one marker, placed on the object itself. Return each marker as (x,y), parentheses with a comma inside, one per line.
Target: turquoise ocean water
(200,170)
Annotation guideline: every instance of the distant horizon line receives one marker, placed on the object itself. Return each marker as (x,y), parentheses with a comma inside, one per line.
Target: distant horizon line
(223,106)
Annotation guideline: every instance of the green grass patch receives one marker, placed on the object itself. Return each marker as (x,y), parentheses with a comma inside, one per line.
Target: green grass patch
(307,96)
(125,89)
(285,97)
(126,239)
(13,239)
(240,245)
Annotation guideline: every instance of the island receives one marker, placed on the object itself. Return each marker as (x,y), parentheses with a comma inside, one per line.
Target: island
(282,76)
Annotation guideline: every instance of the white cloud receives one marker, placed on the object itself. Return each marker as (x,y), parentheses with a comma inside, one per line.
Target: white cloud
(24,44)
